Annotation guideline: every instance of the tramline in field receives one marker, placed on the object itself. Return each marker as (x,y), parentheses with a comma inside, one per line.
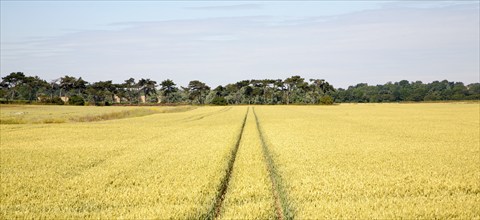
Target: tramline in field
(377,160)
(143,167)
(258,162)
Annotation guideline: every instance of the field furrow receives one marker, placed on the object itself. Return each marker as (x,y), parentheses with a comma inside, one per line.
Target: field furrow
(203,115)
(377,161)
(381,161)
(142,168)
(215,210)
(249,194)
(282,205)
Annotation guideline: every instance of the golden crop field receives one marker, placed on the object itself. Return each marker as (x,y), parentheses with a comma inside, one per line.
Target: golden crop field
(37,114)
(249,193)
(162,165)
(377,160)
(241,162)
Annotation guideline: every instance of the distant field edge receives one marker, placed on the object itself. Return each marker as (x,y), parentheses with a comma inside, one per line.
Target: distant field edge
(474,101)
(113,115)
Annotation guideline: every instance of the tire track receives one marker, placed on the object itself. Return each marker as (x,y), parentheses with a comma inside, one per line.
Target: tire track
(204,115)
(217,206)
(282,207)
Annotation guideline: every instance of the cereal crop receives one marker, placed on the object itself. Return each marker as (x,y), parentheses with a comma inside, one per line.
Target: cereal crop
(379,160)
(345,161)
(160,165)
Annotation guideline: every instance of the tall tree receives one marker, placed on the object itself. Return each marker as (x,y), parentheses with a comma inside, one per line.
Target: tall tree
(148,87)
(319,87)
(100,90)
(279,91)
(54,87)
(34,85)
(131,90)
(12,82)
(293,83)
(80,86)
(168,87)
(66,84)
(197,91)
(111,88)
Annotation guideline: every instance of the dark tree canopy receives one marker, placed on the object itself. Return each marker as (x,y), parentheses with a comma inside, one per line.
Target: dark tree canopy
(17,87)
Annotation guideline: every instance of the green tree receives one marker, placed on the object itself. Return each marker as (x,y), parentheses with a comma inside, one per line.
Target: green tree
(295,86)
(99,91)
(473,91)
(11,82)
(147,86)
(131,90)
(318,88)
(168,88)
(80,86)
(33,86)
(197,91)
(67,83)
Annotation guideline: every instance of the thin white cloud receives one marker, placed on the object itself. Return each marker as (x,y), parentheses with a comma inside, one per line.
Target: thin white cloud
(427,4)
(228,7)
(371,46)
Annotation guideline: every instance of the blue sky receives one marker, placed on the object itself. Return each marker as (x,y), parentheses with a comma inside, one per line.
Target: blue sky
(218,42)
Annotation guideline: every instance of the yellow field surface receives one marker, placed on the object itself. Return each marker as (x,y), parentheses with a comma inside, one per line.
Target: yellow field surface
(161,165)
(377,160)
(348,161)
(23,114)
(249,194)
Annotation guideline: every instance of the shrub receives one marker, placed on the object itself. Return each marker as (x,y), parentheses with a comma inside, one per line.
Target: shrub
(219,101)
(76,100)
(57,101)
(16,102)
(54,100)
(326,100)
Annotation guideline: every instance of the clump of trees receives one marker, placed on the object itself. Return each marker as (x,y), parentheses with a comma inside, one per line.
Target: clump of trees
(409,91)
(17,87)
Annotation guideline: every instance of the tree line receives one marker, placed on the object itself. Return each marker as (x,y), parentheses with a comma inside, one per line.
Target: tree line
(18,87)
(409,91)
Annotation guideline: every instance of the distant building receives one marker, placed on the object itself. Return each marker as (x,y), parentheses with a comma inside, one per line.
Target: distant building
(64,98)
(116,99)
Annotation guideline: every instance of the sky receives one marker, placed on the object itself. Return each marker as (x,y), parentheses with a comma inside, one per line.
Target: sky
(220,42)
